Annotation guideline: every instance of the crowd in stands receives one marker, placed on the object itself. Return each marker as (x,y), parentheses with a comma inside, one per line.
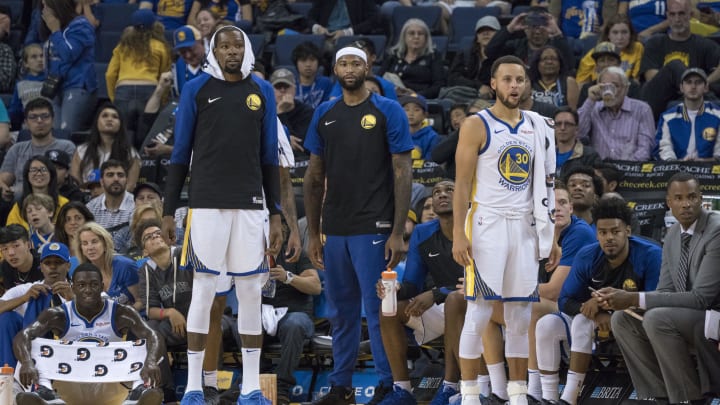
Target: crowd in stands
(86,132)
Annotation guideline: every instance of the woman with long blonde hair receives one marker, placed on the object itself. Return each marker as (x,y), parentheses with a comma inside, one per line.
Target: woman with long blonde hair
(120,274)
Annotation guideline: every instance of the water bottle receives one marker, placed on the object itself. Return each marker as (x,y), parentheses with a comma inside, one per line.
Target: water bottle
(6,384)
(268,289)
(389,303)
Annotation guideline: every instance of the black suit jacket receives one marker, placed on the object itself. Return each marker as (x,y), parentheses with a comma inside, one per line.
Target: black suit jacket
(364,16)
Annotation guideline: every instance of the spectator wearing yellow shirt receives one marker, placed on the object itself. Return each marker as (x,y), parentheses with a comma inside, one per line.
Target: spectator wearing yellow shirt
(39,177)
(620,32)
(136,65)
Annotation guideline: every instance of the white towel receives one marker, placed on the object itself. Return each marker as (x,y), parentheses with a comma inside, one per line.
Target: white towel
(543,181)
(270,318)
(212,68)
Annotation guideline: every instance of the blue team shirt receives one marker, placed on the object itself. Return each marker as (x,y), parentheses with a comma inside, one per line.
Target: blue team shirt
(424,140)
(646,13)
(645,258)
(316,93)
(580,16)
(573,238)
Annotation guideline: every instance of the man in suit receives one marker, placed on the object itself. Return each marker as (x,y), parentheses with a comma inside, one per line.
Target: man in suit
(657,349)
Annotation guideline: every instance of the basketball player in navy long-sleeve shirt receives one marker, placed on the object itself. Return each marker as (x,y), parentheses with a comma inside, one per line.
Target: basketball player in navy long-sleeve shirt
(226,123)
(361,144)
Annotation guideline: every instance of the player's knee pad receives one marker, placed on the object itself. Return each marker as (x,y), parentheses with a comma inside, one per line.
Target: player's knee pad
(248,290)
(517,321)
(550,330)
(581,331)
(203,294)
(477,317)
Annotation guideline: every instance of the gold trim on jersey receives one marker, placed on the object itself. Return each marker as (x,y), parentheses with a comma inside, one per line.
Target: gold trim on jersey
(186,239)
(470,269)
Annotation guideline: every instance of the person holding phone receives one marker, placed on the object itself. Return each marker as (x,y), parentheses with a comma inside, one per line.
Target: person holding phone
(527,33)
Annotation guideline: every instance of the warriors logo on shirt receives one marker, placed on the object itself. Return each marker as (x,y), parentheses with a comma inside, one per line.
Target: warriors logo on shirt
(514,167)
(709,134)
(368,121)
(253,102)
(629,285)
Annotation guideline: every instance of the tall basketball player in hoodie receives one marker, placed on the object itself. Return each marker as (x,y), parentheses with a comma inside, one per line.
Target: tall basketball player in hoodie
(226,122)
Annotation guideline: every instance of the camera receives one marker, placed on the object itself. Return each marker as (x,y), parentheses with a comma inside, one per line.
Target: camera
(536,20)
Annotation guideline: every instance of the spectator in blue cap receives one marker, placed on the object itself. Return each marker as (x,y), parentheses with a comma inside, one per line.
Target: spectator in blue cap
(423,135)
(189,44)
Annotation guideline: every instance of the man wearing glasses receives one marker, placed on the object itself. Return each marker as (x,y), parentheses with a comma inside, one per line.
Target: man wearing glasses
(39,120)
(570,153)
(164,293)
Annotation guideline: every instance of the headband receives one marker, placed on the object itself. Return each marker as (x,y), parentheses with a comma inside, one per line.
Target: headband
(351,50)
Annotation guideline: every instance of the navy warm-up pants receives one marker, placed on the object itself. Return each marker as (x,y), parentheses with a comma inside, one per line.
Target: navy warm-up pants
(353,266)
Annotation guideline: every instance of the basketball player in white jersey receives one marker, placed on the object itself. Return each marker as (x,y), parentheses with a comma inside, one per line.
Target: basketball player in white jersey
(500,156)
(90,317)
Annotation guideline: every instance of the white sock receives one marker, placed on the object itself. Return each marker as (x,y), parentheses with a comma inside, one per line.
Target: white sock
(469,388)
(452,385)
(572,387)
(210,379)
(534,386)
(484,383)
(195,362)
(498,380)
(517,391)
(404,385)
(251,370)
(550,384)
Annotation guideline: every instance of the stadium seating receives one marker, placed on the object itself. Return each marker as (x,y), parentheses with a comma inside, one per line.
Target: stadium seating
(462,22)
(441,45)
(302,8)
(430,15)
(380,41)
(16,10)
(284,45)
(105,42)
(100,69)
(114,16)
(258,43)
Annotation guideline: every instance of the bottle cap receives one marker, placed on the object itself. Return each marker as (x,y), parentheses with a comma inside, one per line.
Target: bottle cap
(389,274)
(7,369)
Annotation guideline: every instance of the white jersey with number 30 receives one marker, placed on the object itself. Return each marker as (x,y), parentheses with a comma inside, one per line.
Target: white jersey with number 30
(503,176)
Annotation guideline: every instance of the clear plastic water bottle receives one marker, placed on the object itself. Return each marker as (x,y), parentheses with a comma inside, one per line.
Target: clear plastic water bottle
(268,289)
(389,303)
